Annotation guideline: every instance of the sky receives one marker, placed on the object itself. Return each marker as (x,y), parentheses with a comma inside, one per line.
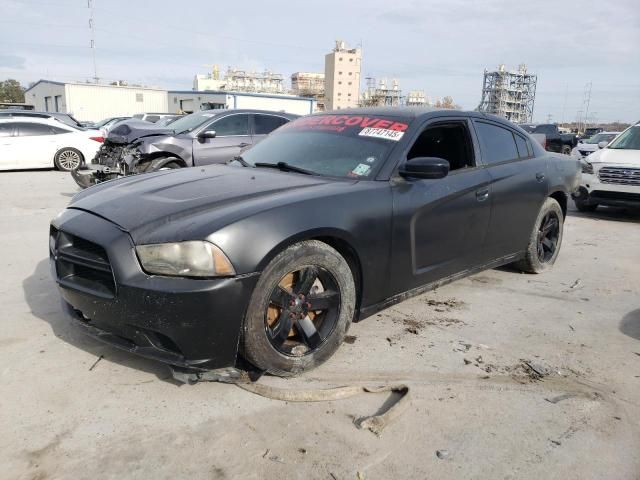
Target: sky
(441,47)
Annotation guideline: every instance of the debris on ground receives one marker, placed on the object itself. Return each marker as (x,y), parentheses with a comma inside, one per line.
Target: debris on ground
(571,327)
(462,347)
(350,339)
(575,284)
(560,398)
(449,304)
(556,442)
(96,362)
(536,369)
(442,454)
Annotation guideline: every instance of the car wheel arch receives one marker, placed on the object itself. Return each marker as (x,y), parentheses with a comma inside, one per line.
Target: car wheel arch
(158,159)
(336,239)
(560,197)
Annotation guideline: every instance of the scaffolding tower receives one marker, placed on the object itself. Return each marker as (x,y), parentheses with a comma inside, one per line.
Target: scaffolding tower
(509,94)
(381,95)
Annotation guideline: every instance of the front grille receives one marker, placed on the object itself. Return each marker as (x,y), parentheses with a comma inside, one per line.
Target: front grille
(620,175)
(81,264)
(604,194)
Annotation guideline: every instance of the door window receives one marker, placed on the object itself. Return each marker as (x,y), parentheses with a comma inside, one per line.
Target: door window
(32,129)
(230,126)
(6,129)
(497,143)
(265,124)
(524,150)
(450,141)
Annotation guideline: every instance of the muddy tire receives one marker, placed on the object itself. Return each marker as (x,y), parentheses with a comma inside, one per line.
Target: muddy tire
(300,309)
(68,159)
(545,240)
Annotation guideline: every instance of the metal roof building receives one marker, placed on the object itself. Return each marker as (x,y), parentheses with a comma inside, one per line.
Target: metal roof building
(93,102)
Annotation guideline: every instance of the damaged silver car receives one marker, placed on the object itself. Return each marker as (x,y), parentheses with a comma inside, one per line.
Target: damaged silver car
(202,138)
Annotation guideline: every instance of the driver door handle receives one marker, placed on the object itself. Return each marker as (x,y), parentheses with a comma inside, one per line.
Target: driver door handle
(244,144)
(539,176)
(482,195)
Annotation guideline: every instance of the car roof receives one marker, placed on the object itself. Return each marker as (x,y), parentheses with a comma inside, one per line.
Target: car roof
(47,121)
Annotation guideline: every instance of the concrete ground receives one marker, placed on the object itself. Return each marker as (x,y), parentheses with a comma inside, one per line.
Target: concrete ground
(460,349)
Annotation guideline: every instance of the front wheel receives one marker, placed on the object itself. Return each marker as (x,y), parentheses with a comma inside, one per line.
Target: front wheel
(67,159)
(566,149)
(546,238)
(300,310)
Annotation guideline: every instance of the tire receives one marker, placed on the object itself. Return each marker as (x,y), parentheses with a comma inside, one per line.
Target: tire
(278,332)
(545,240)
(582,206)
(566,150)
(68,159)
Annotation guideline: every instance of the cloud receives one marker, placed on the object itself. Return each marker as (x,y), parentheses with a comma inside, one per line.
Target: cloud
(12,61)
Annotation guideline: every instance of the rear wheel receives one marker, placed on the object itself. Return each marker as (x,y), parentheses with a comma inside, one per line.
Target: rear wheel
(67,159)
(566,149)
(300,309)
(546,238)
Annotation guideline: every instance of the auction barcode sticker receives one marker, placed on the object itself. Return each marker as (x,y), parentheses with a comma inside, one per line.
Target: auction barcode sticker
(384,133)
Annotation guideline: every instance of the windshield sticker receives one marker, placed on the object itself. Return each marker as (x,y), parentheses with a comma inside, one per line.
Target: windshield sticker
(347,123)
(361,170)
(384,133)
(371,159)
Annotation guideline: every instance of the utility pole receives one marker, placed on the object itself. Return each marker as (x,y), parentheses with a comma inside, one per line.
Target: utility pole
(587,101)
(93,39)
(549,116)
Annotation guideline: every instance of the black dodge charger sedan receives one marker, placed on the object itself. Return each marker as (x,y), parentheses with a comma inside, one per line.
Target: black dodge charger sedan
(330,219)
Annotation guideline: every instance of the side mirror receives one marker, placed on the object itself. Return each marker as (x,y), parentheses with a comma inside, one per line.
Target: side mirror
(602,144)
(425,167)
(207,134)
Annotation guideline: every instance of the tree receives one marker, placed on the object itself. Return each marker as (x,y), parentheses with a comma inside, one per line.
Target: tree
(11,91)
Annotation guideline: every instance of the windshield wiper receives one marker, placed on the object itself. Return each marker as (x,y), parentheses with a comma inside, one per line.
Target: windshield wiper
(285,167)
(241,161)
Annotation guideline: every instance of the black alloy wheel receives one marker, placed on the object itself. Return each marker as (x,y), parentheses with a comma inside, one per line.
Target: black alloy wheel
(548,235)
(303,311)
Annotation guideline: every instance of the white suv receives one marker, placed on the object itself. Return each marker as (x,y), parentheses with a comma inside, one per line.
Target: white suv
(611,175)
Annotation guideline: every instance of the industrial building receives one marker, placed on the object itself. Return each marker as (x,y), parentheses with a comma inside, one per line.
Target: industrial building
(189,101)
(91,101)
(381,94)
(308,84)
(237,80)
(509,94)
(342,77)
(417,98)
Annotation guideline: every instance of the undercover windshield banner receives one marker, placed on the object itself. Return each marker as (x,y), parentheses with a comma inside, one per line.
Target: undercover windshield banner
(380,127)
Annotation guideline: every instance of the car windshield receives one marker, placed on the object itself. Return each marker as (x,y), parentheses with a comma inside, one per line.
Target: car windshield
(627,140)
(190,122)
(601,137)
(352,146)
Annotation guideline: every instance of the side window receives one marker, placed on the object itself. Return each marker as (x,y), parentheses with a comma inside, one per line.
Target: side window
(524,150)
(57,130)
(231,125)
(6,129)
(497,143)
(450,141)
(32,129)
(265,124)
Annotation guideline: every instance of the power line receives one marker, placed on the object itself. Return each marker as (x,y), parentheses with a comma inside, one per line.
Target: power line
(93,39)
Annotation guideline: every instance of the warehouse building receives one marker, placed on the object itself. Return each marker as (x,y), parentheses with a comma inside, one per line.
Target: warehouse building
(189,101)
(93,102)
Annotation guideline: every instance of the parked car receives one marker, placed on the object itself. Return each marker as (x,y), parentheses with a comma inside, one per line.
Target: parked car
(330,219)
(590,145)
(168,120)
(152,117)
(65,118)
(107,123)
(591,131)
(211,136)
(44,143)
(611,175)
(553,140)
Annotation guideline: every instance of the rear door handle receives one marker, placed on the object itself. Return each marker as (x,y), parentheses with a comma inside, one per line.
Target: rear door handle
(482,195)
(539,176)
(243,144)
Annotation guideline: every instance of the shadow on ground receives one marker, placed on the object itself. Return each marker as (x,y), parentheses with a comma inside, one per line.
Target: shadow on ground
(616,214)
(630,324)
(41,294)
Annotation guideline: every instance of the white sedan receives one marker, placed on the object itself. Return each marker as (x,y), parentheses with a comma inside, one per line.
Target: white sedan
(45,143)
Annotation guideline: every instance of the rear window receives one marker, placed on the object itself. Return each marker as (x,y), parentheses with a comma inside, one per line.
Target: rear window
(497,143)
(265,124)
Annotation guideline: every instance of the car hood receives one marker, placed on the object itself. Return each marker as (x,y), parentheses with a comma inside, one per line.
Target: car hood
(131,130)
(192,203)
(616,156)
(587,147)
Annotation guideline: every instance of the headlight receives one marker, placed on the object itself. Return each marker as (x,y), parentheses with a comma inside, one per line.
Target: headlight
(586,167)
(185,259)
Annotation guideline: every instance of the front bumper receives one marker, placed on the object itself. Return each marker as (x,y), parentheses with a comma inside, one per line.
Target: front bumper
(593,191)
(188,323)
